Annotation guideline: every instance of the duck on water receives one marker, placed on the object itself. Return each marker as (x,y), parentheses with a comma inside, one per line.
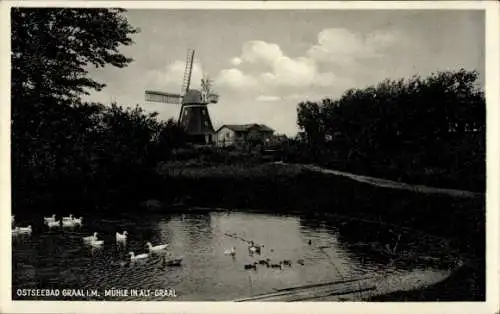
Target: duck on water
(251,266)
(255,248)
(231,251)
(156,248)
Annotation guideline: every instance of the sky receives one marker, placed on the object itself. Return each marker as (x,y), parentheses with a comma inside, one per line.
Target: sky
(264,62)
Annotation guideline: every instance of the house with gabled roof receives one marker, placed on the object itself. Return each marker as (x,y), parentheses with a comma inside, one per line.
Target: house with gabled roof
(242,134)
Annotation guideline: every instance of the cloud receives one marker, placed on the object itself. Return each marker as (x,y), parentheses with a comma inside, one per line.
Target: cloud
(265,98)
(278,70)
(257,51)
(291,72)
(325,79)
(236,61)
(235,79)
(266,66)
(172,76)
(344,47)
(383,39)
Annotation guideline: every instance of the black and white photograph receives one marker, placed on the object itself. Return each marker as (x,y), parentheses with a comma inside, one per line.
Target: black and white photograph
(254,155)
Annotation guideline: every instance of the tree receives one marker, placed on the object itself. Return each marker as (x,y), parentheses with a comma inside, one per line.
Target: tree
(422,125)
(56,139)
(51,48)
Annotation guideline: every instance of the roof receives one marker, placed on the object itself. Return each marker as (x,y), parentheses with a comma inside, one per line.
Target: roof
(246,127)
(193,96)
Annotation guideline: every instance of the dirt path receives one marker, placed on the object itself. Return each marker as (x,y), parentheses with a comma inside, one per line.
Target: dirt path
(393,184)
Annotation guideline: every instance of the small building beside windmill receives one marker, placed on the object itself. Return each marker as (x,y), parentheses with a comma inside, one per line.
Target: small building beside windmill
(243,134)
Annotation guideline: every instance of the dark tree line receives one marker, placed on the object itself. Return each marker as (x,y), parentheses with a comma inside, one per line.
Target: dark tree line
(66,152)
(421,130)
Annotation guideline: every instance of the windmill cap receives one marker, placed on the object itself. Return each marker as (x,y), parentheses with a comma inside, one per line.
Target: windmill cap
(193,96)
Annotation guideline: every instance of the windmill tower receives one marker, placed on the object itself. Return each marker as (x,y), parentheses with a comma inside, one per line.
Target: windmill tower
(194,117)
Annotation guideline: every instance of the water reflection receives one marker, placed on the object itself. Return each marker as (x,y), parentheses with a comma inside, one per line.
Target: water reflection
(316,251)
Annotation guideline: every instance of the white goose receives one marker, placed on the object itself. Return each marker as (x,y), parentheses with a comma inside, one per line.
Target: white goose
(121,237)
(25,230)
(78,221)
(134,257)
(90,238)
(96,243)
(231,251)
(51,218)
(156,248)
(72,222)
(53,224)
(70,217)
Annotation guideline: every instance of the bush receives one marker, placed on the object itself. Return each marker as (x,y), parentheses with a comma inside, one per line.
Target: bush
(84,151)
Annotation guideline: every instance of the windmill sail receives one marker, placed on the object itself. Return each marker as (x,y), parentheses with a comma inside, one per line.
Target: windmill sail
(162,97)
(186,82)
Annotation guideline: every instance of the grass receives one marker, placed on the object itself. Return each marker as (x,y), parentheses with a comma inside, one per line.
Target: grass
(237,170)
(464,284)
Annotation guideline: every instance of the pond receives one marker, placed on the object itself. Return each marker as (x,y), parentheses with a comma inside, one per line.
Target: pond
(319,251)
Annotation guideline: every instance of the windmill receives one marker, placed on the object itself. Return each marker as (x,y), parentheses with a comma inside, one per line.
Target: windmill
(194,117)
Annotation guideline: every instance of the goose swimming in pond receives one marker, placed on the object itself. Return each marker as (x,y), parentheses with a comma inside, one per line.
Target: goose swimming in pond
(280,265)
(26,230)
(68,223)
(90,238)
(51,218)
(53,224)
(301,262)
(251,266)
(134,257)
(72,223)
(287,262)
(231,251)
(156,248)
(121,237)
(70,217)
(254,248)
(310,242)
(96,243)
(78,221)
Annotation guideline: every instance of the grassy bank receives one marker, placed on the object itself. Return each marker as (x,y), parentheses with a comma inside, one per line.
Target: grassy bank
(464,284)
